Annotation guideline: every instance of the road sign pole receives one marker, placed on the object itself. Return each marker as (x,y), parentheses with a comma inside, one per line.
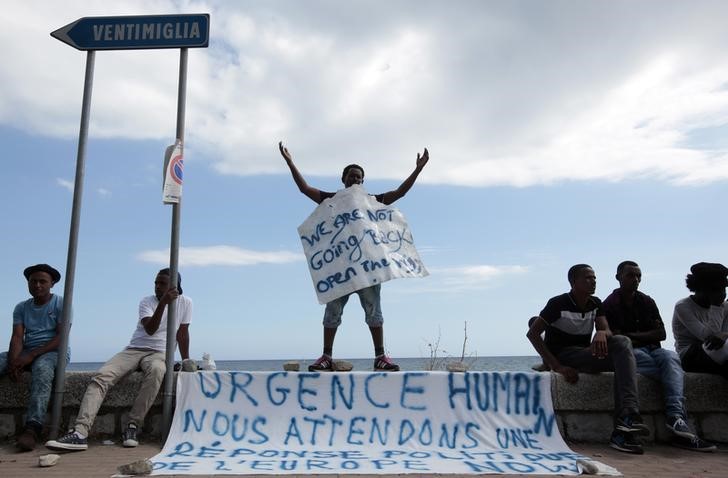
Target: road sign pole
(72,247)
(135,32)
(168,394)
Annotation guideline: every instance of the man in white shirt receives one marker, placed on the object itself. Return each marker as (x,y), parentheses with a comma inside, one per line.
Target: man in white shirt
(700,322)
(146,351)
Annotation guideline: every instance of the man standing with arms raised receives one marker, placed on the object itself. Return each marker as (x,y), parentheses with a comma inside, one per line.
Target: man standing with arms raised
(369,296)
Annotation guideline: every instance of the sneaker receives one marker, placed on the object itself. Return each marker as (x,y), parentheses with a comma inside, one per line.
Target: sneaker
(385,364)
(129,437)
(71,441)
(322,364)
(625,442)
(632,423)
(695,444)
(26,440)
(678,426)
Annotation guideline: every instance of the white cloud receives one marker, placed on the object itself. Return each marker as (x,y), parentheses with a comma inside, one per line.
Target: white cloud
(475,276)
(464,278)
(600,91)
(103,192)
(220,256)
(65,184)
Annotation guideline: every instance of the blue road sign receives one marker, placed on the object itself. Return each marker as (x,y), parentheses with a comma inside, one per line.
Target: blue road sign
(138,32)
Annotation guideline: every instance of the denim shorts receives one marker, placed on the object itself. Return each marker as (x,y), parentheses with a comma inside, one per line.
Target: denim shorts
(369,298)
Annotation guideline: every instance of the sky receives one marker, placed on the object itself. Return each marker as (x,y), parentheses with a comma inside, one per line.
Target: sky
(559,132)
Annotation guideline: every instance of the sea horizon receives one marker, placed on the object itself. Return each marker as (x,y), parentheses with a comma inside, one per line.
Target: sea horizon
(509,363)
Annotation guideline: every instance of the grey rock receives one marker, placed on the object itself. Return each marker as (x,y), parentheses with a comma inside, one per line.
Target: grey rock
(342,366)
(456,367)
(189,365)
(141,467)
(292,366)
(588,467)
(50,459)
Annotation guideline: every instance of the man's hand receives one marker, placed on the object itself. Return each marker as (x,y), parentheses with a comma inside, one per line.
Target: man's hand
(17,365)
(570,374)
(421,160)
(287,156)
(714,342)
(22,360)
(15,373)
(599,344)
(169,296)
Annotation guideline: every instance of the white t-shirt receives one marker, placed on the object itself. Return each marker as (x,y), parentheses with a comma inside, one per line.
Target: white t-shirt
(158,340)
(692,324)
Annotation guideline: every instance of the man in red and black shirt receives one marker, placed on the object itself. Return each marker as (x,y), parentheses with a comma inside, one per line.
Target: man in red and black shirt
(635,315)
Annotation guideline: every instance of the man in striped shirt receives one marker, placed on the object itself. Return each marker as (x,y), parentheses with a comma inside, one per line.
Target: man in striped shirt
(568,348)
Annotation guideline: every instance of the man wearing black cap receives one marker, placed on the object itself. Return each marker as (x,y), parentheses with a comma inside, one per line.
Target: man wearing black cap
(700,322)
(146,351)
(33,346)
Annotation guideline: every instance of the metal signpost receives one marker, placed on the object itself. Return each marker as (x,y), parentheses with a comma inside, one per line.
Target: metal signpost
(140,32)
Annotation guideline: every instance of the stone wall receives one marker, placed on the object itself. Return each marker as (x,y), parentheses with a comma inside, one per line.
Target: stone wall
(584,410)
(113,412)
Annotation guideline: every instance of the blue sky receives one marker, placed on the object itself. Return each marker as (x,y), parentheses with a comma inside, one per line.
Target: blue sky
(559,132)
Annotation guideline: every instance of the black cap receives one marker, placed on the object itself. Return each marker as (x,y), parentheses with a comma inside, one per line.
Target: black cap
(710,274)
(55,275)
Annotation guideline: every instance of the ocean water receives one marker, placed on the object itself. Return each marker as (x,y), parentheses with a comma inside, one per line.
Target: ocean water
(495,364)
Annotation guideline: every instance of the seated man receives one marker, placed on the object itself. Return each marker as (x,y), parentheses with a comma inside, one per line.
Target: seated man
(146,351)
(33,346)
(568,348)
(635,315)
(700,322)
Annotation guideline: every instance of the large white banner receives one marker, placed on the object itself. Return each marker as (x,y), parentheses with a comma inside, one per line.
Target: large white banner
(352,241)
(364,423)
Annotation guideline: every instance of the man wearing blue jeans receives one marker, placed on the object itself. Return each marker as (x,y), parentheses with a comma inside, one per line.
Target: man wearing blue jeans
(369,296)
(635,315)
(33,346)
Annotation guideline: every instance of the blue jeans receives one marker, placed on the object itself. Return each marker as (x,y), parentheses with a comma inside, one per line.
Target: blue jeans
(369,298)
(42,372)
(664,366)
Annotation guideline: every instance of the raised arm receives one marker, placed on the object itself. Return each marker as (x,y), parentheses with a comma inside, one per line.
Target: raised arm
(303,186)
(391,196)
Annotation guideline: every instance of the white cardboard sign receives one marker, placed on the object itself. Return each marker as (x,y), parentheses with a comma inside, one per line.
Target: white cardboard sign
(352,241)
